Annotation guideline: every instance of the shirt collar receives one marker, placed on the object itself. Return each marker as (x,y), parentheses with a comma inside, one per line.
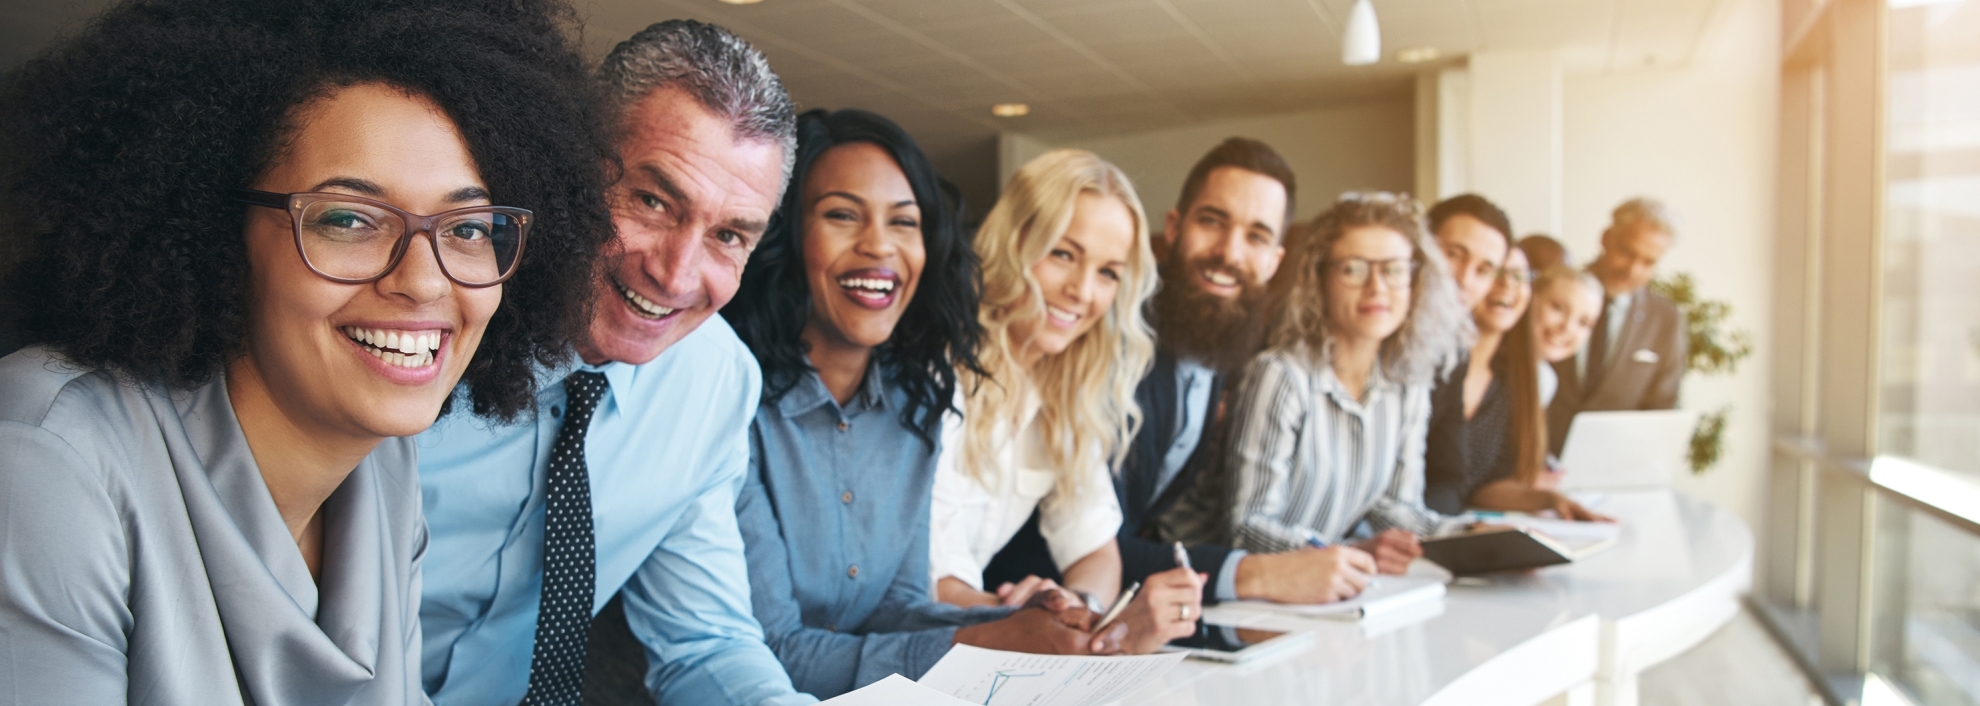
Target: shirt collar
(809,393)
(619,376)
(1192,368)
(1378,384)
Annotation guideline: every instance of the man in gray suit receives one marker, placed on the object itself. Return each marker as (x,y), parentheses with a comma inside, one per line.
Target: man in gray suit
(1635,356)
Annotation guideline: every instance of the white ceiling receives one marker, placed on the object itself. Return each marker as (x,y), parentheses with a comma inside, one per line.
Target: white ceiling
(1093,66)
(1097,66)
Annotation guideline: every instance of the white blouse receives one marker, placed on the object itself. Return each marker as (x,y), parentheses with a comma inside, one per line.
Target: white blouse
(972,519)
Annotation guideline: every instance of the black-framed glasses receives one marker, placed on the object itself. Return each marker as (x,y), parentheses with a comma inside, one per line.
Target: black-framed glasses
(1397,273)
(356,240)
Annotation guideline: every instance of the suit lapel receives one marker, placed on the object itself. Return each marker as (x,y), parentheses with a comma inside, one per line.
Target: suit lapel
(1157,396)
(1628,341)
(1204,453)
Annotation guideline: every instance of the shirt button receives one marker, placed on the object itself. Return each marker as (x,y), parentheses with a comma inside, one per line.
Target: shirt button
(556,412)
(843,425)
(853,572)
(847,497)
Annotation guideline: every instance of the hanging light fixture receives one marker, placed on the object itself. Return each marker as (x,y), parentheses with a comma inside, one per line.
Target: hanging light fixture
(1361,42)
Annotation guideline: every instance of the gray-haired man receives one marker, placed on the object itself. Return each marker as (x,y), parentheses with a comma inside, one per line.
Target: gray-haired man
(1635,357)
(624,481)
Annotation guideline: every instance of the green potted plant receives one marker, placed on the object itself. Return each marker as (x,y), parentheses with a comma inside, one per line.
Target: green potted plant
(1713,348)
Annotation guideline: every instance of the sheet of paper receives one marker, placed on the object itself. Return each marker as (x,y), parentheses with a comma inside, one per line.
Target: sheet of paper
(1387,594)
(895,690)
(998,678)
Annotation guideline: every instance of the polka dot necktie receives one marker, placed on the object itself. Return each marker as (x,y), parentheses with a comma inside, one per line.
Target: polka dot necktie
(556,668)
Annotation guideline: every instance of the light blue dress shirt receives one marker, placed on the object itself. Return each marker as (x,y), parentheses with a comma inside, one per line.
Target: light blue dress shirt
(1193,382)
(835,515)
(667,449)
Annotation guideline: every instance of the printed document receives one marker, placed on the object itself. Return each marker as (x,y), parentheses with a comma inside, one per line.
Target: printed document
(895,690)
(998,678)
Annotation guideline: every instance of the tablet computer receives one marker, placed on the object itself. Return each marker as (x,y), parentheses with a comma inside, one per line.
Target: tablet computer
(1230,643)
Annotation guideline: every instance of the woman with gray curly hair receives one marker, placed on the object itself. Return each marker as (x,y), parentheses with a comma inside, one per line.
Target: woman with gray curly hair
(1327,426)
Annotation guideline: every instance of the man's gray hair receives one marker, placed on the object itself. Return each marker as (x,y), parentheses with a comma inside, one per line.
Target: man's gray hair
(1644,210)
(724,74)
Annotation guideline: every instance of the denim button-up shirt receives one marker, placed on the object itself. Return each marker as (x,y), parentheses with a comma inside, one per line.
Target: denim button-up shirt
(834,517)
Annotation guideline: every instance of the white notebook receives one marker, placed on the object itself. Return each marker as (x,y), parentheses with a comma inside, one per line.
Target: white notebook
(1386,595)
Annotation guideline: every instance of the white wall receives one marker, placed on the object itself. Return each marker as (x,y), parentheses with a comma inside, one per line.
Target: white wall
(1357,147)
(1702,137)
(1515,106)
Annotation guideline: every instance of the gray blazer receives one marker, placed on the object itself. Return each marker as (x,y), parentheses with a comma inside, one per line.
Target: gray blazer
(142,560)
(1646,366)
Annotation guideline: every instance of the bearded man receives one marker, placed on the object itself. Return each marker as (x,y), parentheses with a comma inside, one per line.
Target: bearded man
(1219,247)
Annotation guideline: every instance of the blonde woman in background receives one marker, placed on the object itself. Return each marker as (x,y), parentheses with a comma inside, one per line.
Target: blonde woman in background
(1566,304)
(1066,269)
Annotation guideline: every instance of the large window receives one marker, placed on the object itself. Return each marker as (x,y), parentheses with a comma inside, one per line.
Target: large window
(1872,544)
(1927,636)
(1931,303)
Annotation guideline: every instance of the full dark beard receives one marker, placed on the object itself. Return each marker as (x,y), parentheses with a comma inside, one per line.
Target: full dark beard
(1222,334)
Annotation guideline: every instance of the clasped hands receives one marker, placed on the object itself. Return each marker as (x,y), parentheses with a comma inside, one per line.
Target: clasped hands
(1053,620)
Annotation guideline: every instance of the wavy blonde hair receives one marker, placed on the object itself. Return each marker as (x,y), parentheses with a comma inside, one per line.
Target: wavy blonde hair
(1438,328)
(1087,412)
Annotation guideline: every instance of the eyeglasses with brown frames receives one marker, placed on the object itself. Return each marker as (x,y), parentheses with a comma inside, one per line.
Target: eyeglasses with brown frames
(356,240)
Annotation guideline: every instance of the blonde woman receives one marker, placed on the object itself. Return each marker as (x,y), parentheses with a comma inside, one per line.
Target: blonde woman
(1327,428)
(1566,305)
(1066,269)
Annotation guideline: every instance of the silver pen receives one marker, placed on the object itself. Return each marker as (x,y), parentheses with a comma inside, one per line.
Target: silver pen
(1182,558)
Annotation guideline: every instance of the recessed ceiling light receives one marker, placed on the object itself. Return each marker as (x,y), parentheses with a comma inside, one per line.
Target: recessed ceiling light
(1418,55)
(742,2)
(1010,110)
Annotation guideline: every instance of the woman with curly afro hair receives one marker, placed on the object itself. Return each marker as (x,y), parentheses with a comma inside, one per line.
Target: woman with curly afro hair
(253,247)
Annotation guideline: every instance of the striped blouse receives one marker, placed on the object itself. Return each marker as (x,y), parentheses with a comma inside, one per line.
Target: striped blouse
(1308,462)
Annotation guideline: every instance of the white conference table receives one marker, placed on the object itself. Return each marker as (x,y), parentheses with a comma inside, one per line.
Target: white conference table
(1577,634)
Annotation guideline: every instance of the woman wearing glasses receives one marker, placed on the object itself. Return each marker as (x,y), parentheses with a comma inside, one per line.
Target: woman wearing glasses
(1559,321)
(258,246)
(1327,427)
(1496,448)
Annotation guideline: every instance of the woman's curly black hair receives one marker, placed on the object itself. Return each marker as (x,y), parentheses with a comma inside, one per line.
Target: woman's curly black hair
(938,332)
(119,148)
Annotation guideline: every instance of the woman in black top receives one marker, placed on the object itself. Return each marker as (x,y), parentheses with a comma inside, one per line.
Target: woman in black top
(1505,429)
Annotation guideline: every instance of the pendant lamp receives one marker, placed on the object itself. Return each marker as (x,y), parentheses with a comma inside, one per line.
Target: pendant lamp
(1361,42)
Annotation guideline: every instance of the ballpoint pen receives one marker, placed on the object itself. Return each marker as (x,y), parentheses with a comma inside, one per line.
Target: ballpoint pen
(1120,606)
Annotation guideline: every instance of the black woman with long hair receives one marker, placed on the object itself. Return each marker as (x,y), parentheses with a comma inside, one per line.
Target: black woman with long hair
(861,305)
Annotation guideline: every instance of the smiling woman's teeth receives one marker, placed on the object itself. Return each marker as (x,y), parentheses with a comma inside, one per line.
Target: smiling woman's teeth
(645,307)
(867,283)
(405,349)
(1061,315)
